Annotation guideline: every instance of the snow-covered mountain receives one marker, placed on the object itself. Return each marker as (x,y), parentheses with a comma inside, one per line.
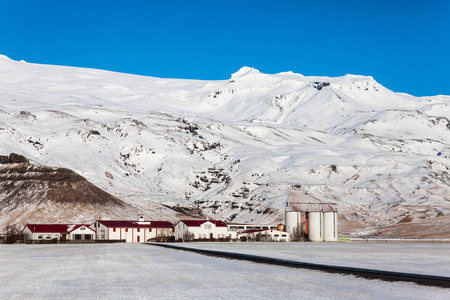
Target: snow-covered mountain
(238,149)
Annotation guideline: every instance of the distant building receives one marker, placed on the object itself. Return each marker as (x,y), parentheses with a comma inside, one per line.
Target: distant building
(264,235)
(60,232)
(201,229)
(132,231)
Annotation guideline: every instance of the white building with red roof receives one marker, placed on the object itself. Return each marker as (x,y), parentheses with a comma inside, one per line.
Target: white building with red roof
(60,232)
(273,235)
(201,229)
(132,231)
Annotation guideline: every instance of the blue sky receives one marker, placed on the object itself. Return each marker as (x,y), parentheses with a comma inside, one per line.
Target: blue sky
(404,45)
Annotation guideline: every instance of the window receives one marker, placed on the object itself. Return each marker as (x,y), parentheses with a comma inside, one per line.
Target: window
(78,236)
(88,237)
(40,236)
(276,235)
(56,236)
(48,236)
(83,228)
(283,235)
(102,234)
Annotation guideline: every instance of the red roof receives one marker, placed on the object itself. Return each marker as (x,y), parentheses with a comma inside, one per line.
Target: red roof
(55,228)
(136,224)
(197,223)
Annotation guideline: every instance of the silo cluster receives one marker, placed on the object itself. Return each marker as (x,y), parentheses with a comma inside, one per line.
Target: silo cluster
(322,226)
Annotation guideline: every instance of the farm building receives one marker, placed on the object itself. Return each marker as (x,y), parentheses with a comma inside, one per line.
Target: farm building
(201,229)
(132,231)
(60,232)
(264,235)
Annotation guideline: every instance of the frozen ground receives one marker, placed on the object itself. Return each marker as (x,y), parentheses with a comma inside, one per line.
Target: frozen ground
(420,258)
(139,271)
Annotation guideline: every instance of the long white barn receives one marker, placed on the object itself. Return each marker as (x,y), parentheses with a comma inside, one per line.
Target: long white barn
(61,232)
(132,231)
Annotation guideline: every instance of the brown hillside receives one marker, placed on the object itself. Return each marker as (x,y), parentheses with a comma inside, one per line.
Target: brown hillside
(34,193)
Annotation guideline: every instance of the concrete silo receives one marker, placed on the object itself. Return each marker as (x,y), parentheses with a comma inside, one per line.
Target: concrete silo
(315,226)
(293,221)
(330,226)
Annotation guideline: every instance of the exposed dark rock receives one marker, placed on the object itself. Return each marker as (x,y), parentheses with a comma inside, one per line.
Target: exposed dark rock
(13,158)
(319,85)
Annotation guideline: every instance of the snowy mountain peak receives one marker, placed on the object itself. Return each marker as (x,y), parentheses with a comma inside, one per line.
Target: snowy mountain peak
(245,71)
(4,57)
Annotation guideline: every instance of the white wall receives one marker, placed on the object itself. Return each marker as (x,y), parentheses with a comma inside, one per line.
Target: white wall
(130,234)
(82,230)
(274,235)
(205,231)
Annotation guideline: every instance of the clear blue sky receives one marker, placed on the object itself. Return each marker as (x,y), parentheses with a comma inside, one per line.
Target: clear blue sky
(404,45)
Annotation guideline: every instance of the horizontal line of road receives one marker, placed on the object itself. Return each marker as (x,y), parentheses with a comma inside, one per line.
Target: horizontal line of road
(429,280)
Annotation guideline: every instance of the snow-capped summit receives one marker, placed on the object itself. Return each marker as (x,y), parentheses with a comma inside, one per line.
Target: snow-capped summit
(236,149)
(245,71)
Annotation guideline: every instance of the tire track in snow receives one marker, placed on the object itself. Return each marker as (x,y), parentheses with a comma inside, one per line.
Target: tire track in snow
(428,280)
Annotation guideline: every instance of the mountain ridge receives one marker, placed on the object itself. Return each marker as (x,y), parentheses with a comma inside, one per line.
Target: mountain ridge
(236,149)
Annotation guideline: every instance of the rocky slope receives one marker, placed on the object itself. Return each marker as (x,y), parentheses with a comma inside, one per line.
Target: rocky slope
(237,149)
(36,194)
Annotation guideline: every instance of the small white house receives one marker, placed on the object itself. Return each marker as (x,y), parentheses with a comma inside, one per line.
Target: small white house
(132,231)
(264,235)
(60,232)
(201,229)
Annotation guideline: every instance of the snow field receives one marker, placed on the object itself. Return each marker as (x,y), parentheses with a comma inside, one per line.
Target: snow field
(419,258)
(138,271)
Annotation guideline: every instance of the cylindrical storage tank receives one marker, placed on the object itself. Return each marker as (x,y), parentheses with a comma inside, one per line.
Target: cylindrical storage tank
(330,227)
(315,226)
(292,221)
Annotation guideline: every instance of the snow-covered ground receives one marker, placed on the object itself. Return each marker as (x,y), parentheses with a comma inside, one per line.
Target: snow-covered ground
(139,271)
(419,258)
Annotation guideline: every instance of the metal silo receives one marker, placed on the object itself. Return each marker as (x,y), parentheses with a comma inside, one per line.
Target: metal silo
(292,220)
(330,227)
(315,226)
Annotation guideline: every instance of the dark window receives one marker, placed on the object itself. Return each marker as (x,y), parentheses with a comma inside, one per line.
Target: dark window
(78,236)
(88,237)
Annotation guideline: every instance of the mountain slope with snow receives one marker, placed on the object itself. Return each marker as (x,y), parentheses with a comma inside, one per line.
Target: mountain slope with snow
(237,149)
